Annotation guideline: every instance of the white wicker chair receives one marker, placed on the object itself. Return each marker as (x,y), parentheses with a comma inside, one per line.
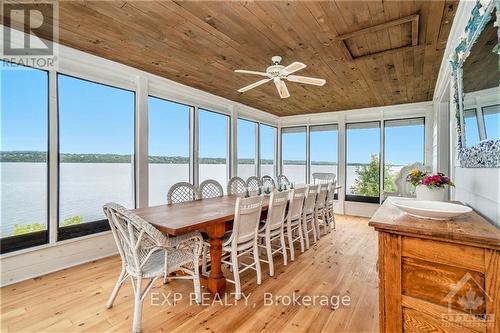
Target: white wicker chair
(272,229)
(268,182)
(308,214)
(210,189)
(319,208)
(148,254)
(243,240)
(253,183)
(283,180)
(330,200)
(323,177)
(294,220)
(404,188)
(182,192)
(236,185)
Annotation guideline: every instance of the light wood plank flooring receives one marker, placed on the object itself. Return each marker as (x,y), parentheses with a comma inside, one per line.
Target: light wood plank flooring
(341,263)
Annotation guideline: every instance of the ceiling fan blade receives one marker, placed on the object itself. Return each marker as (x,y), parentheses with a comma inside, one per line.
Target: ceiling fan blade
(253,85)
(244,71)
(306,80)
(282,89)
(293,67)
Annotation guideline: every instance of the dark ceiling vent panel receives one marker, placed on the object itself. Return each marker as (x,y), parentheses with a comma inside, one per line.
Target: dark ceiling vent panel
(390,36)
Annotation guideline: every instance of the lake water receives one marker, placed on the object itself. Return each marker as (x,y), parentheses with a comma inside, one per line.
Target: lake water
(85,187)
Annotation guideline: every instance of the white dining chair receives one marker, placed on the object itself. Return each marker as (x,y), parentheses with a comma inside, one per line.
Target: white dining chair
(242,241)
(253,183)
(330,201)
(148,254)
(293,230)
(210,189)
(319,209)
(308,214)
(236,185)
(272,229)
(268,182)
(182,192)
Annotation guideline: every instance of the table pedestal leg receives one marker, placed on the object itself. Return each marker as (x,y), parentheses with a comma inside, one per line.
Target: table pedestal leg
(216,283)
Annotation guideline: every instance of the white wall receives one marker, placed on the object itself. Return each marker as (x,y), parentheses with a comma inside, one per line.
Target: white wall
(477,187)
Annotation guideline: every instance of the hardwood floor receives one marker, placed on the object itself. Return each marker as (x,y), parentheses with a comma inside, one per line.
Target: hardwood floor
(342,263)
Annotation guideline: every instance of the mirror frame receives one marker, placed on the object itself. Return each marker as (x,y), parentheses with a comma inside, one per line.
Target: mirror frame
(485,154)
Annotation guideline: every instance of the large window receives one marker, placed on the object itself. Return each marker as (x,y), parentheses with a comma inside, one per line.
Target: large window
(168,147)
(362,162)
(24,157)
(404,144)
(293,153)
(213,131)
(96,150)
(491,115)
(323,143)
(471,127)
(268,136)
(247,148)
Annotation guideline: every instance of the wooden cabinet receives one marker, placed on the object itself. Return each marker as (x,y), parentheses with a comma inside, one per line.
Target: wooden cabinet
(437,276)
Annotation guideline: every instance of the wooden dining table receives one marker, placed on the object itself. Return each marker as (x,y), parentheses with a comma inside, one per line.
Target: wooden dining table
(212,216)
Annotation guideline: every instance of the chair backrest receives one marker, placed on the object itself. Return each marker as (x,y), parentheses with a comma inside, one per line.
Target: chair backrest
(268,182)
(297,197)
(310,200)
(253,183)
(321,197)
(330,197)
(236,185)
(276,210)
(210,189)
(135,238)
(283,180)
(246,219)
(404,188)
(323,177)
(182,192)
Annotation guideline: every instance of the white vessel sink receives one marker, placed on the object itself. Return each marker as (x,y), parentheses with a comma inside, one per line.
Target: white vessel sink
(434,210)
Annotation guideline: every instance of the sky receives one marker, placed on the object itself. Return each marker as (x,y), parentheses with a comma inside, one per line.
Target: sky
(95,118)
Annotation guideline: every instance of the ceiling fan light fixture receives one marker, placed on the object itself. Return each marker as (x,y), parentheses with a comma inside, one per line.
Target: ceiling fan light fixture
(278,73)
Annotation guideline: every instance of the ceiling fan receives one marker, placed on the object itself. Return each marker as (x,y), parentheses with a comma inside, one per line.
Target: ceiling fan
(278,73)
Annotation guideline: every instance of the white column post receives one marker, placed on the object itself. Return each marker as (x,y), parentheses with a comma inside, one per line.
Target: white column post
(53,158)
(342,163)
(141,143)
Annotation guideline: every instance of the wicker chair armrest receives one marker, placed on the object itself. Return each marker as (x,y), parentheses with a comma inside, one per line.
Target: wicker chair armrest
(191,237)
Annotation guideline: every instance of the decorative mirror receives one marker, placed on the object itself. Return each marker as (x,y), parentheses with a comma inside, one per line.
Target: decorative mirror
(475,87)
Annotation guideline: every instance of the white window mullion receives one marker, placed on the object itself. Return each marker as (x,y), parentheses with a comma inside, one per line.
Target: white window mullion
(193,147)
(141,164)
(53,158)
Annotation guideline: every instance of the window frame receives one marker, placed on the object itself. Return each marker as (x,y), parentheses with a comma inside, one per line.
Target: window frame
(275,158)
(37,238)
(382,185)
(482,122)
(190,129)
(229,156)
(362,198)
(92,227)
(337,125)
(257,146)
(306,144)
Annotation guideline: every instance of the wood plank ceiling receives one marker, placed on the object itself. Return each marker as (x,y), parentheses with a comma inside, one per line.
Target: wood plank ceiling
(200,44)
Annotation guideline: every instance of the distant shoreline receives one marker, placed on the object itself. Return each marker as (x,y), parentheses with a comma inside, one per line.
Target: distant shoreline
(41,157)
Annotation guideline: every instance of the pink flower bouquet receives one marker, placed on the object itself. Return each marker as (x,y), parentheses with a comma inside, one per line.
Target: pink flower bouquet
(437,180)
